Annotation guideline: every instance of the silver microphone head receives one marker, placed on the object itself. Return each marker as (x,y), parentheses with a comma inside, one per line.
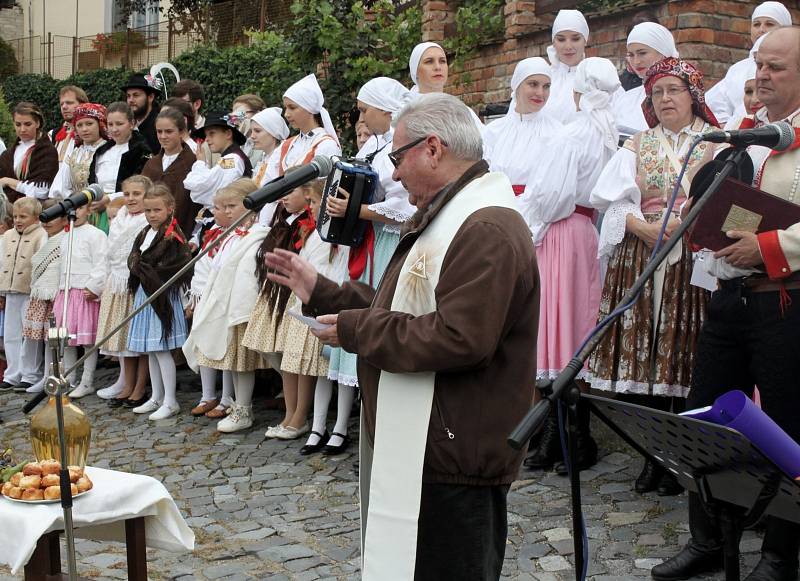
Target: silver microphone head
(323,164)
(787,135)
(96,192)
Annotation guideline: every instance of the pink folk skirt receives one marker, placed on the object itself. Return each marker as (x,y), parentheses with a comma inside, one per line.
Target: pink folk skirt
(569,273)
(82,317)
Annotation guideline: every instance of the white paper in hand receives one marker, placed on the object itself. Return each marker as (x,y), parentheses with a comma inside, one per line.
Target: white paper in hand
(310,321)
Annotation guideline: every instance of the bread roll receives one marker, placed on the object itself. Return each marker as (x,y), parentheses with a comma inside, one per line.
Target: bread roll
(32,469)
(6,487)
(15,492)
(33,494)
(50,467)
(50,480)
(75,472)
(52,493)
(15,478)
(84,484)
(30,482)
(73,489)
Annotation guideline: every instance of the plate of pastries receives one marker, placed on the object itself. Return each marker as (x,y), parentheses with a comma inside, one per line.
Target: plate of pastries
(39,482)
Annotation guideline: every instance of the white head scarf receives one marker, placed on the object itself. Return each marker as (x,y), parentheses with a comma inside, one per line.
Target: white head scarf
(655,36)
(308,95)
(597,80)
(774,10)
(757,45)
(524,69)
(385,94)
(572,20)
(413,61)
(272,122)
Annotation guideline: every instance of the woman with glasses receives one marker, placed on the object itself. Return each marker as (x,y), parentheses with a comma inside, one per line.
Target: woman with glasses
(379,100)
(648,353)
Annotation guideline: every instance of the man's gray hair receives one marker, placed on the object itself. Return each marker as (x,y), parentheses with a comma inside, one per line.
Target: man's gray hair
(447,118)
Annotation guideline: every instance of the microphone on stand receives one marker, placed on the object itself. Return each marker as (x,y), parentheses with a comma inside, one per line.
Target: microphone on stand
(320,166)
(778,136)
(89,194)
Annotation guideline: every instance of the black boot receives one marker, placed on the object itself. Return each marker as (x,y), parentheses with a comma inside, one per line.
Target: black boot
(649,477)
(778,552)
(669,485)
(587,447)
(548,452)
(702,554)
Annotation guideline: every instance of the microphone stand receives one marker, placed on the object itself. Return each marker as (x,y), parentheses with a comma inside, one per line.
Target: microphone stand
(564,387)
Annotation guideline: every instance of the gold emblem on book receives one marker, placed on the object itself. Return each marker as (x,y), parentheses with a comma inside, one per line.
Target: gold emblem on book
(741,219)
(418,268)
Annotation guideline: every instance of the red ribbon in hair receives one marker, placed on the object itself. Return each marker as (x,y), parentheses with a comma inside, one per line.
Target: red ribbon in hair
(172,232)
(306,225)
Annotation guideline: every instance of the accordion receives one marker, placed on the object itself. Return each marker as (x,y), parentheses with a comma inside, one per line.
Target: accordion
(357,178)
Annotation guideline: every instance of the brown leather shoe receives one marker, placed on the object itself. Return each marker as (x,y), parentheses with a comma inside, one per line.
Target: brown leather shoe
(204,407)
(218,414)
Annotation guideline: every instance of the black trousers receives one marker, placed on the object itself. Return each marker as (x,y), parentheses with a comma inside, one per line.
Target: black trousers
(462,532)
(748,340)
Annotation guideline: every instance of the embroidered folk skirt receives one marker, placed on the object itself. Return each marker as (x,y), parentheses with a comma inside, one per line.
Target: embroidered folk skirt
(342,366)
(114,307)
(265,332)
(82,315)
(302,351)
(569,290)
(237,357)
(637,356)
(145,333)
(37,319)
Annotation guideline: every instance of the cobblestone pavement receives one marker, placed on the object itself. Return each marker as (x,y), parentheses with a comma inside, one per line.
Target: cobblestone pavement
(259,510)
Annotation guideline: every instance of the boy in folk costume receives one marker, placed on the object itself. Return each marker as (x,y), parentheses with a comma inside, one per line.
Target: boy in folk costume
(18,247)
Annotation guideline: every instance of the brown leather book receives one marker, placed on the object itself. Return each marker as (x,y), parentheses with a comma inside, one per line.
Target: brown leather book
(737,206)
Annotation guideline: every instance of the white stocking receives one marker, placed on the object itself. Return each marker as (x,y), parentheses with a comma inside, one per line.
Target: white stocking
(155,378)
(322,400)
(243,384)
(119,384)
(88,368)
(227,389)
(347,394)
(70,357)
(168,376)
(208,379)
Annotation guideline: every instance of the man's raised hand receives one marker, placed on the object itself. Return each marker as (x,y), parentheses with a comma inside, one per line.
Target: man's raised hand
(293,271)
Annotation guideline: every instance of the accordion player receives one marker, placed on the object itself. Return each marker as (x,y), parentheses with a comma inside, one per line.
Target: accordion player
(359,180)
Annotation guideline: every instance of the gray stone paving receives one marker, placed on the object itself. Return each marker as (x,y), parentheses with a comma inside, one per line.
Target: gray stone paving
(259,510)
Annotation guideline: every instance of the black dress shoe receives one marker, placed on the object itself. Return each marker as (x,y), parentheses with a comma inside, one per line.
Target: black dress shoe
(687,564)
(770,568)
(649,478)
(314,448)
(117,402)
(330,450)
(6,385)
(669,486)
(22,386)
(135,403)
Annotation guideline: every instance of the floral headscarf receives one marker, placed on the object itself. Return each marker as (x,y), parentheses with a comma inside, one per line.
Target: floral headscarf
(687,72)
(91,111)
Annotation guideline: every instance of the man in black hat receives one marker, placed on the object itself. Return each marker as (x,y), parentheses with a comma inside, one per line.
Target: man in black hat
(140,93)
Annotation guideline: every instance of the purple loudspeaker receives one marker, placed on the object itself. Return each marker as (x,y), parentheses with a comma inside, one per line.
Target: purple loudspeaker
(736,411)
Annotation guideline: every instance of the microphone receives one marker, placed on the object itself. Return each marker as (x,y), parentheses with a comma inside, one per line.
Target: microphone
(89,194)
(778,136)
(321,165)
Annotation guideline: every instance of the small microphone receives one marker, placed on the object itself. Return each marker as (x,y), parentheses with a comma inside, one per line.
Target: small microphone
(321,165)
(778,136)
(92,193)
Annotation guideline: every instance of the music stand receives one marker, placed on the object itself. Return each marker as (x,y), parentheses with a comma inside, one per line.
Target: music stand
(734,480)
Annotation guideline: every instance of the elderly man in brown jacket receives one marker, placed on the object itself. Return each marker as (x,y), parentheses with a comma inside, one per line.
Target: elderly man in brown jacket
(446,355)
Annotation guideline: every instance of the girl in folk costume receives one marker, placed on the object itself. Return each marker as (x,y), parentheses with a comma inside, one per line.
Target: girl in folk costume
(209,405)
(265,331)
(223,137)
(122,156)
(86,283)
(172,164)
(220,318)
(526,127)
(44,286)
(268,131)
(648,43)
(725,98)
(302,351)
(117,300)
(73,175)
(649,350)
(29,166)
(379,100)
(19,244)
(159,251)
(244,107)
(185,109)
(427,67)
(557,208)
(303,106)
(570,33)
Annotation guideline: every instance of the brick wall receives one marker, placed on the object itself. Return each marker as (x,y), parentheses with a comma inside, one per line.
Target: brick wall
(713,34)
(11,23)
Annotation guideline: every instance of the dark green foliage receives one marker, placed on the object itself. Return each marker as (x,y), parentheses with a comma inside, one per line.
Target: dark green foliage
(8,60)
